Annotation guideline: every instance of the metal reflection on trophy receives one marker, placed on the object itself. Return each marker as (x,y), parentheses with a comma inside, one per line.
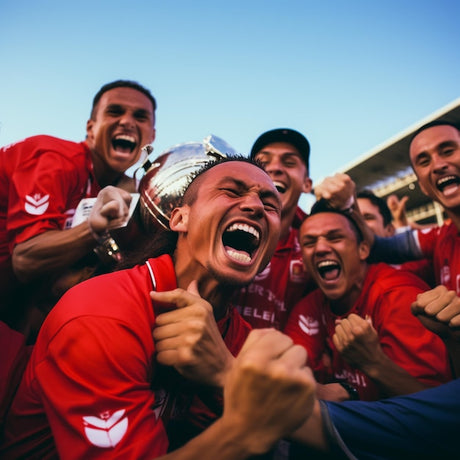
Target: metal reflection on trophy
(167,176)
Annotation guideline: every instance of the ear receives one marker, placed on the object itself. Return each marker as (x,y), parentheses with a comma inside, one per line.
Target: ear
(89,129)
(307,185)
(153,135)
(179,219)
(364,250)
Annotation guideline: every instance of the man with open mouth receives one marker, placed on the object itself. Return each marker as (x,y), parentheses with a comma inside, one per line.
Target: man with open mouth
(357,327)
(266,302)
(93,388)
(435,156)
(45,178)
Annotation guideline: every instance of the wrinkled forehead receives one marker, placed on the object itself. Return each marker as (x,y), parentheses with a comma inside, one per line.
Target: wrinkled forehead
(432,137)
(324,222)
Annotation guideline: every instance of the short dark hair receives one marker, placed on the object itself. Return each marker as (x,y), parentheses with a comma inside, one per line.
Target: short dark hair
(431,124)
(122,84)
(191,192)
(322,206)
(381,204)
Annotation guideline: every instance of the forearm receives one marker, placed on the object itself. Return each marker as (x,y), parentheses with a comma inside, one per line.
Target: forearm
(221,440)
(312,433)
(391,378)
(51,251)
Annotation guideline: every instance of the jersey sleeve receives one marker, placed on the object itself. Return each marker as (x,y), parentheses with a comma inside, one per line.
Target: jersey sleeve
(305,328)
(95,385)
(421,425)
(41,191)
(405,340)
(396,249)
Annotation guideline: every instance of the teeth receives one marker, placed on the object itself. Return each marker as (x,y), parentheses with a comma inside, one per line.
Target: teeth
(326,263)
(125,137)
(239,256)
(446,179)
(279,186)
(244,228)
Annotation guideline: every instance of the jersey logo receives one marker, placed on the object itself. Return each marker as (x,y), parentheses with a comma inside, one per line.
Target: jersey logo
(37,205)
(107,430)
(309,325)
(297,271)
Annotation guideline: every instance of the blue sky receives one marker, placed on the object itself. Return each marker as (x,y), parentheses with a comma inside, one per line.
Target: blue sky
(347,74)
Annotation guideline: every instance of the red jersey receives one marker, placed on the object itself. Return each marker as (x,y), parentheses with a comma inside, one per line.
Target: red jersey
(386,298)
(442,246)
(42,180)
(267,301)
(87,390)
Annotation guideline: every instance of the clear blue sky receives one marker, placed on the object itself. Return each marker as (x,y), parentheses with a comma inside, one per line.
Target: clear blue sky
(348,74)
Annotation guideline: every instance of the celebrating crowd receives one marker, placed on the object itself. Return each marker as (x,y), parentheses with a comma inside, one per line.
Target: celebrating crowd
(247,328)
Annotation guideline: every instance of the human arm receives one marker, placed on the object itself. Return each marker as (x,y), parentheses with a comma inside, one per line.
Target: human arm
(358,342)
(54,250)
(268,394)
(439,311)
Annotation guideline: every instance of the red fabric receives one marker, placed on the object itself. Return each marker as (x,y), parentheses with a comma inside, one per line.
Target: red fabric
(267,301)
(92,367)
(386,297)
(42,179)
(442,246)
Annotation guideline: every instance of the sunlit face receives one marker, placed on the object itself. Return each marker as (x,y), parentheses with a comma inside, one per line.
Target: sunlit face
(435,157)
(233,226)
(332,254)
(374,219)
(124,121)
(288,171)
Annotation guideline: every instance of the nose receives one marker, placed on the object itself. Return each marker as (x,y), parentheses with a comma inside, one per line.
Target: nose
(253,204)
(127,120)
(322,247)
(273,167)
(439,163)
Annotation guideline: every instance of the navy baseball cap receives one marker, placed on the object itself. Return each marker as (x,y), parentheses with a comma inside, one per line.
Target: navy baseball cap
(290,136)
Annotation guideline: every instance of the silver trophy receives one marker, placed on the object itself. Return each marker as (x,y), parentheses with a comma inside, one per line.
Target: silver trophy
(166,177)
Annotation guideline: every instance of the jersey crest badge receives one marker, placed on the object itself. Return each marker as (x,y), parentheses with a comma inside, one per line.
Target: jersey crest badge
(37,205)
(106,430)
(309,325)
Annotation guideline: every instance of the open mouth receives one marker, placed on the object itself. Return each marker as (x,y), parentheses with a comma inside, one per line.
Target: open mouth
(446,182)
(280,186)
(124,143)
(328,270)
(241,242)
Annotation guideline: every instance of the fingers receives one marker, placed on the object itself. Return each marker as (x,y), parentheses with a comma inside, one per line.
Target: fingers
(440,304)
(339,190)
(110,210)
(266,344)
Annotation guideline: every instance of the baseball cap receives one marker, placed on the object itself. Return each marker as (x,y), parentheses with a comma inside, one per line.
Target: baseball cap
(290,136)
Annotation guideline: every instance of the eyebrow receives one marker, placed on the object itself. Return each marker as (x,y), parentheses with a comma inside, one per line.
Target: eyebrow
(265,192)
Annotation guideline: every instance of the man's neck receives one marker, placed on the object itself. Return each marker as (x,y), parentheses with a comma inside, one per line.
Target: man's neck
(343,305)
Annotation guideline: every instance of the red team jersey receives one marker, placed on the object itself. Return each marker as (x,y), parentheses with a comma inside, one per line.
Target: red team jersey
(267,301)
(386,298)
(42,180)
(87,390)
(442,246)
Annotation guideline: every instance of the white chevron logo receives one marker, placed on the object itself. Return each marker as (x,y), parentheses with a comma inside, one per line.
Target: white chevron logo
(36,205)
(309,325)
(106,430)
